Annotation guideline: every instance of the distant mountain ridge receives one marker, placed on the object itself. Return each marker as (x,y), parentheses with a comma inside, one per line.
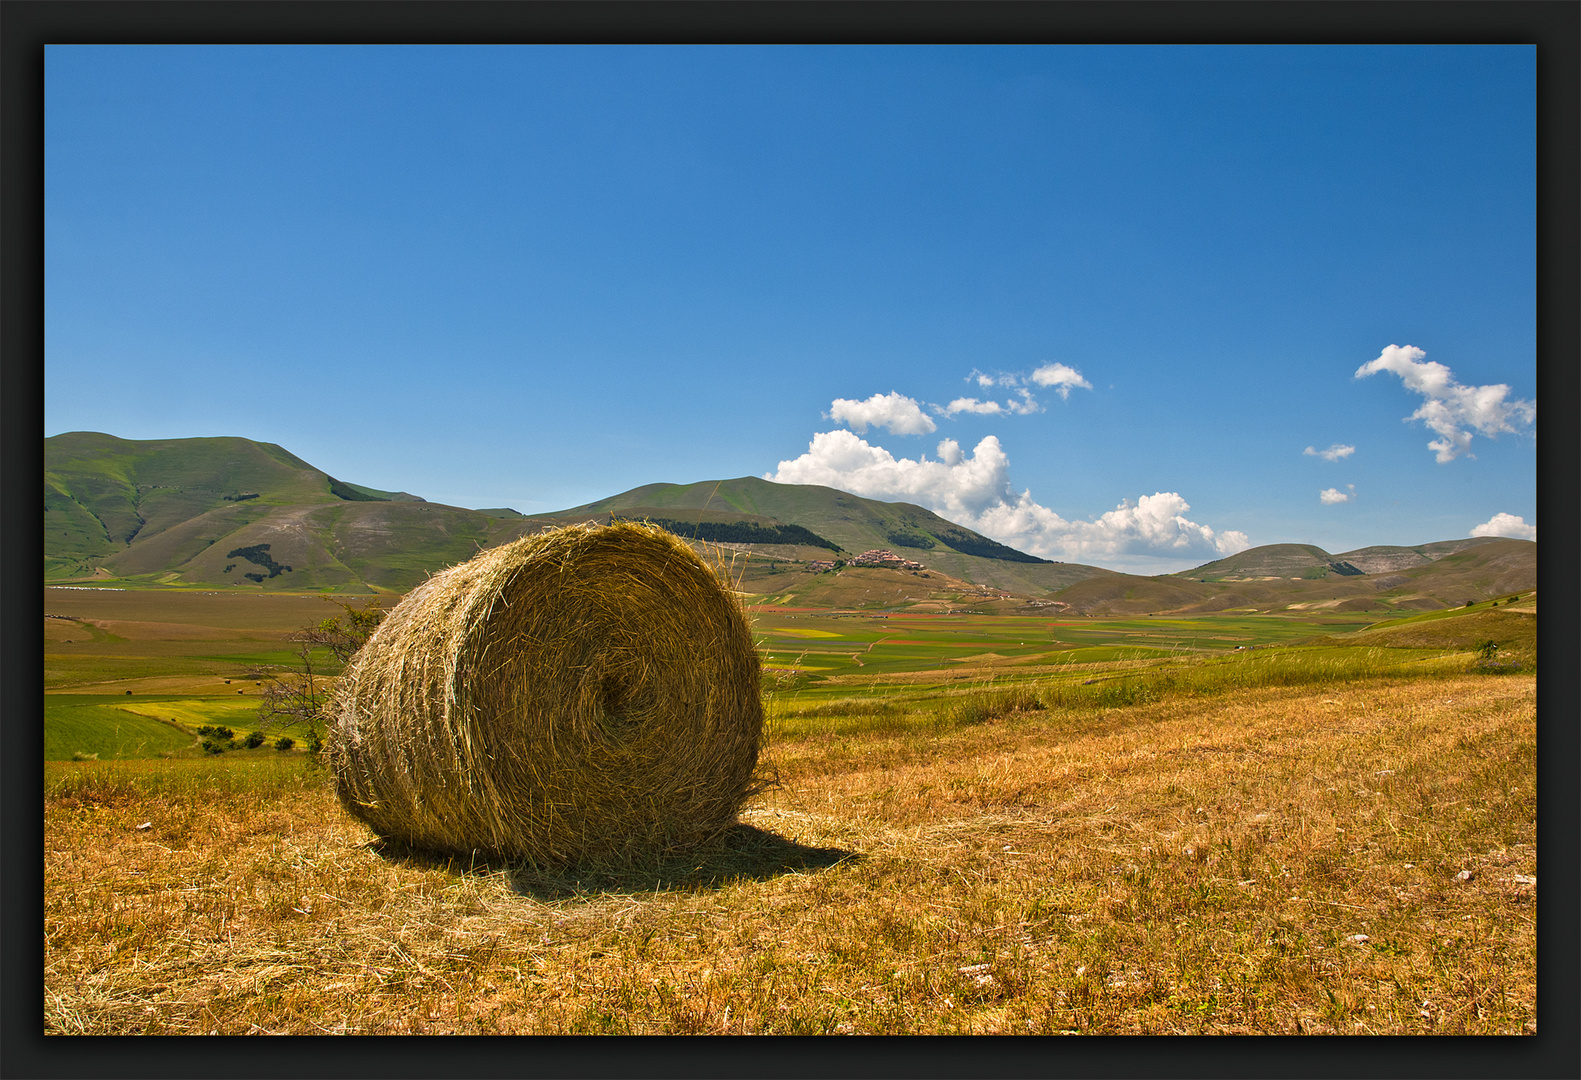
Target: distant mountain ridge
(1303,577)
(227,511)
(233,512)
(1309,562)
(852,522)
(186,511)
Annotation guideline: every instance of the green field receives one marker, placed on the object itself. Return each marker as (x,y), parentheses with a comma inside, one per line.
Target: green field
(107,727)
(811,649)
(134,673)
(83,726)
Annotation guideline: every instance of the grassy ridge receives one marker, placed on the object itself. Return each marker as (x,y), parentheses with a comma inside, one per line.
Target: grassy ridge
(152,512)
(171,512)
(857,524)
(149,512)
(1478,571)
(1310,561)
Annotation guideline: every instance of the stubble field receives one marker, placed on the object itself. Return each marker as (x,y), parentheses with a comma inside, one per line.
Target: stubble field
(1176,840)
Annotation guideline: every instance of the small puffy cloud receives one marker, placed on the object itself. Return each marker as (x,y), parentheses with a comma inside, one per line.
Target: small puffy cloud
(1451,410)
(901,415)
(974,490)
(1506,525)
(1061,377)
(1021,404)
(1330,496)
(1333,453)
(972,405)
(1027,403)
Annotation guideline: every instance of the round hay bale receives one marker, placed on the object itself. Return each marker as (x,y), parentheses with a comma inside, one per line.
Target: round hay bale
(586,694)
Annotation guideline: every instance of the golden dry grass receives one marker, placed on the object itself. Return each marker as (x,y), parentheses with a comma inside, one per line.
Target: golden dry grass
(1281,859)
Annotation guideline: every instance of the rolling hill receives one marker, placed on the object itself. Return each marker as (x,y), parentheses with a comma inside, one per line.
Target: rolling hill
(1438,575)
(234,513)
(231,511)
(238,513)
(853,523)
(1274,561)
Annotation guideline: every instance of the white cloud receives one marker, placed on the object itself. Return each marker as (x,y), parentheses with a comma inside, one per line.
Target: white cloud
(975,491)
(1330,496)
(1450,408)
(1333,453)
(1021,405)
(1027,404)
(1061,377)
(972,405)
(964,485)
(900,414)
(1506,525)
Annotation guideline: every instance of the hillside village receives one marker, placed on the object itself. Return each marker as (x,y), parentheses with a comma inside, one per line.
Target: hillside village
(881,557)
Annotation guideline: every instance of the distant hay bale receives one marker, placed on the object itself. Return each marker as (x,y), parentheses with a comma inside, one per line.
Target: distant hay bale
(586,694)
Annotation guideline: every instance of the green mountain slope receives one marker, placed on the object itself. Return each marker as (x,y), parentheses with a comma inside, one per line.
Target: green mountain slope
(1310,562)
(237,513)
(212,511)
(102,493)
(852,522)
(233,513)
(1451,572)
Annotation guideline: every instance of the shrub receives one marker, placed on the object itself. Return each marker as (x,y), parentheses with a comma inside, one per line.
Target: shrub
(212,747)
(219,734)
(254,740)
(284,742)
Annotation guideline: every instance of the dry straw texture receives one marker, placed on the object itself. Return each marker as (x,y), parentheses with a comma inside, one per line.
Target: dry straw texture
(589,694)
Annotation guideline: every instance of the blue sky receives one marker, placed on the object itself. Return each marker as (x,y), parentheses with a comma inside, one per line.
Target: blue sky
(534,277)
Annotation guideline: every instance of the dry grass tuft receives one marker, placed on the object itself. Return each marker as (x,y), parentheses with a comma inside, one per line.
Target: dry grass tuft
(586,695)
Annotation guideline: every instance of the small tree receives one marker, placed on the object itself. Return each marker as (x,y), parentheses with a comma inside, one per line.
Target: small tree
(299,698)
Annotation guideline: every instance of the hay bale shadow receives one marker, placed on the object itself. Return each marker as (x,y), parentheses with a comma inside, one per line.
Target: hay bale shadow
(741,853)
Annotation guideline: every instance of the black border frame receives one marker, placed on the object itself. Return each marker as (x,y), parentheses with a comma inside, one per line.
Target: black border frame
(26,26)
